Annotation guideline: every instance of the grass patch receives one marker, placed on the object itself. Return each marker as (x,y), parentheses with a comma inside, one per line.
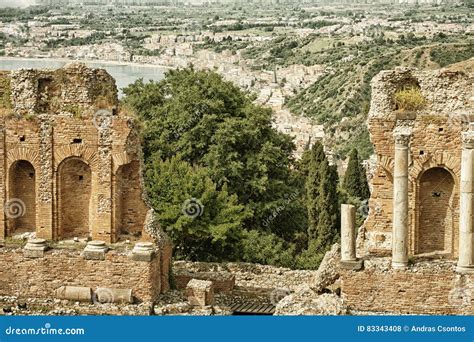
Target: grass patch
(409,99)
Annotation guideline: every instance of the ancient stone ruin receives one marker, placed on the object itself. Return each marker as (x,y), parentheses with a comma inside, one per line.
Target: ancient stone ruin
(71,173)
(416,246)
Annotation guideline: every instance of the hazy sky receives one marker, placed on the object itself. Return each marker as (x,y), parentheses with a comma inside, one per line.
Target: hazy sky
(15,3)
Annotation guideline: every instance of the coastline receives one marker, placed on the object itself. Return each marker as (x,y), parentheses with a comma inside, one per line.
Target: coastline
(86,61)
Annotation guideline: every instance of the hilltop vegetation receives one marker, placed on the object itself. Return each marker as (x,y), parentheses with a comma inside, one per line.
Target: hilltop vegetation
(340,99)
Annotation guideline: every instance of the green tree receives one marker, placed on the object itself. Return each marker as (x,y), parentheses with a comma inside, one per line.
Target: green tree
(327,229)
(211,123)
(267,248)
(355,179)
(323,209)
(204,223)
(311,168)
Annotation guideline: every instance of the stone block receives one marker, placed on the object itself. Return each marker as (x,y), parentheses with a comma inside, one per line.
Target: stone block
(200,292)
(95,250)
(35,248)
(74,293)
(143,251)
(352,265)
(108,295)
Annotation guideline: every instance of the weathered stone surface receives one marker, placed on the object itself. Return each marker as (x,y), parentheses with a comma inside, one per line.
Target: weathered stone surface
(200,292)
(307,302)
(249,278)
(95,250)
(39,278)
(143,251)
(348,232)
(35,248)
(112,295)
(426,287)
(328,271)
(74,293)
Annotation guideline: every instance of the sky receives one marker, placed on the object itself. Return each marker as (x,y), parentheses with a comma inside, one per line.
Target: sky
(15,3)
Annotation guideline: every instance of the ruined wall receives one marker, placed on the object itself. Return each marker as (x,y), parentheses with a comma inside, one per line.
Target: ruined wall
(435,143)
(52,117)
(39,278)
(430,287)
(130,206)
(22,186)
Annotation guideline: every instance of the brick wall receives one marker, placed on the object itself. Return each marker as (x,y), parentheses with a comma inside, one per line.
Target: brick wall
(22,203)
(437,212)
(39,278)
(128,198)
(74,199)
(435,144)
(428,288)
(53,119)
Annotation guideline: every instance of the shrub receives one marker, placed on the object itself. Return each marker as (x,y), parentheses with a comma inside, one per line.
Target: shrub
(267,248)
(409,99)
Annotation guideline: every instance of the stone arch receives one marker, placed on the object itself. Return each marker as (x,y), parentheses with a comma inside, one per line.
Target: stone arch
(438,159)
(23,153)
(20,208)
(387,164)
(87,154)
(129,208)
(436,204)
(74,198)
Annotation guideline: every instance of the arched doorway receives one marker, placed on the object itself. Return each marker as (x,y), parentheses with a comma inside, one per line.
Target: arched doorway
(436,211)
(20,209)
(74,187)
(130,210)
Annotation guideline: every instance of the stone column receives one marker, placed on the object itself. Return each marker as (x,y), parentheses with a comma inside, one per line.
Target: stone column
(102,187)
(400,199)
(348,235)
(45,192)
(466,255)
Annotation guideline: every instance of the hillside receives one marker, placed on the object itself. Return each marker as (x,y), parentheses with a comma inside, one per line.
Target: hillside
(340,99)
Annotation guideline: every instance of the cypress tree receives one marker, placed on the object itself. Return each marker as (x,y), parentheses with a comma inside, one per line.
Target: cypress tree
(355,180)
(313,185)
(327,229)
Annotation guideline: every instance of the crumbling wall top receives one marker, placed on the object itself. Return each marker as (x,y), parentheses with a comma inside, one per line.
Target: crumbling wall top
(74,89)
(447,92)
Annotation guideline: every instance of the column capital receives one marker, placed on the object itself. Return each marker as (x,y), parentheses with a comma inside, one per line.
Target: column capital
(402,136)
(468,139)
